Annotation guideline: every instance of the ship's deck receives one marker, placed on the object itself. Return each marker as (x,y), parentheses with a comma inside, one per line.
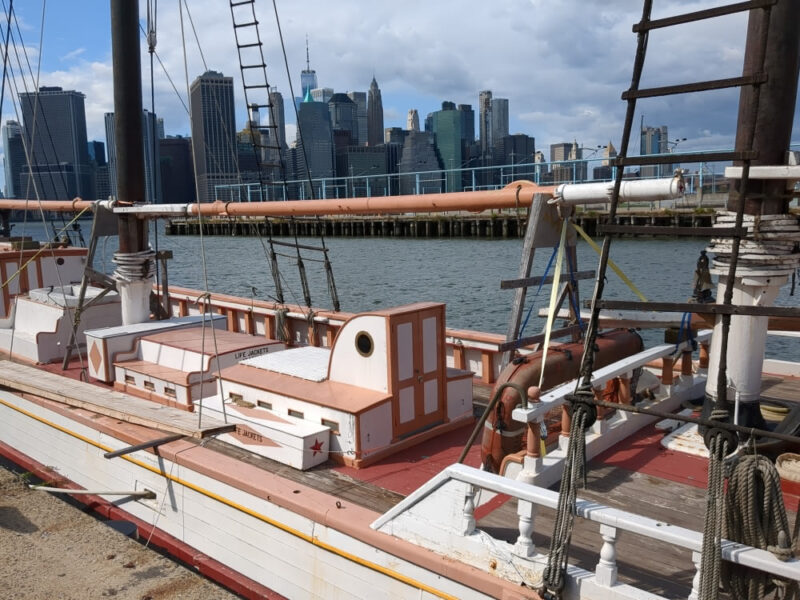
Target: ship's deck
(638,476)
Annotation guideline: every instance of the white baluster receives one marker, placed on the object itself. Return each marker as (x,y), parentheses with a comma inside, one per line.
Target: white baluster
(524,546)
(606,570)
(697,558)
(469,511)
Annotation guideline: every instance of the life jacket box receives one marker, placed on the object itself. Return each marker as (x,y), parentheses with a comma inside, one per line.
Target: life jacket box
(107,345)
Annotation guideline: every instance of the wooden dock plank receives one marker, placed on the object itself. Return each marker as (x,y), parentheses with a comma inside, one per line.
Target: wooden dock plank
(23,378)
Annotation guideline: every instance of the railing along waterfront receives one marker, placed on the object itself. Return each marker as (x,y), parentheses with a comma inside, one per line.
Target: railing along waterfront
(702,180)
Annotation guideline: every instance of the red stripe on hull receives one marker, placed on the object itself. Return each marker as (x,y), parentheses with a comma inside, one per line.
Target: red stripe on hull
(209,567)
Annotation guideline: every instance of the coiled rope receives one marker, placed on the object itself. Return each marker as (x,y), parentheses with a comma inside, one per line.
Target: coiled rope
(756,516)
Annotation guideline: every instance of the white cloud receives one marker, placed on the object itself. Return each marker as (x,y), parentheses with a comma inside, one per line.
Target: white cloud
(72,54)
(562,65)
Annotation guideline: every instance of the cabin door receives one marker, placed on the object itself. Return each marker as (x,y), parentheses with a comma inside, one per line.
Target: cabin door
(418,369)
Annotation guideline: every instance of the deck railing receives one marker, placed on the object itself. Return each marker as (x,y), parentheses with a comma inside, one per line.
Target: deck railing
(441,516)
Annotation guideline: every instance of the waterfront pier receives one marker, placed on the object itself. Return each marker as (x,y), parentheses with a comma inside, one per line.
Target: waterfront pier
(486,225)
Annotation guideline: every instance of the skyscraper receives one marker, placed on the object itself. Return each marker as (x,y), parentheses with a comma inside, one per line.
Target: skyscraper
(412,121)
(560,152)
(308,76)
(314,140)
(654,141)
(54,126)
(13,159)
(485,122)
(177,173)
(321,94)
(467,123)
(447,135)
(499,119)
(344,116)
(419,154)
(360,99)
(374,115)
(152,171)
(277,116)
(213,132)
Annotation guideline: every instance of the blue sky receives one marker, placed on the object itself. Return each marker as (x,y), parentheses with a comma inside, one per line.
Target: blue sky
(562,65)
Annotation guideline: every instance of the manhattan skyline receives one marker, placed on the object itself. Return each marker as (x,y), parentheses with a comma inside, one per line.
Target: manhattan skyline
(560,87)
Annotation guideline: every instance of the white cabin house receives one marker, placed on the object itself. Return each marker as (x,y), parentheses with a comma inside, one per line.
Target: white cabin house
(382,386)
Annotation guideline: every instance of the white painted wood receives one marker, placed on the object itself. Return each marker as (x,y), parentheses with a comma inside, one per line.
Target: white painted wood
(606,570)
(347,365)
(121,341)
(308,362)
(459,398)
(295,442)
(430,347)
(292,567)
(430,391)
(406,403)
(404,345)
(455,479)
(376,428)
(343,443)
(556,396)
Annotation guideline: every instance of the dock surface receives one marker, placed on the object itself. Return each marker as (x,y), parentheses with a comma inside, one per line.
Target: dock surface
(50,548)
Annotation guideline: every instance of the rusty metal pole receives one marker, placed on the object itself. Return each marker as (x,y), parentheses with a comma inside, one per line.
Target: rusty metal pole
(134,263)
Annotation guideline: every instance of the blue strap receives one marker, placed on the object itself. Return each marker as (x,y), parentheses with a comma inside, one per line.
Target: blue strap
(539,289)
(686,321)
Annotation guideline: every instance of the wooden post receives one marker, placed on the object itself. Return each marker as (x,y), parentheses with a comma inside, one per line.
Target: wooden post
(458,356)
(606,570)
(666,371)
(703,364)
(686,363)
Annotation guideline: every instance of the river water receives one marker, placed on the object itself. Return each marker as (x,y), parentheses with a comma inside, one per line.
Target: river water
(374,273)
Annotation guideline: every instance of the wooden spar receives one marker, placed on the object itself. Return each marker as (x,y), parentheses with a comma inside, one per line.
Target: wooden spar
(507,197)
(516,194)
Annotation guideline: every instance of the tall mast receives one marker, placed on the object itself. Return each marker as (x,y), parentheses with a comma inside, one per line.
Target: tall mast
(766,114)
(134,260)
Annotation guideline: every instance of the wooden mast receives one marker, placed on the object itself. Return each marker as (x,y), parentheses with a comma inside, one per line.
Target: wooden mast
(134,259)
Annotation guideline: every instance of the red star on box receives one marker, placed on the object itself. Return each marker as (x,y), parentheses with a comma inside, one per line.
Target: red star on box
(317,447)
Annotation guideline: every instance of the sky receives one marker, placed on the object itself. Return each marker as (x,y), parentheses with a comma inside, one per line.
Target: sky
(562,65)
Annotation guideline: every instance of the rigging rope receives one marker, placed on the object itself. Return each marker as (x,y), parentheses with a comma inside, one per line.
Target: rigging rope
(538,289)
(583,416)
(328,268)
(715,511)
(626,280)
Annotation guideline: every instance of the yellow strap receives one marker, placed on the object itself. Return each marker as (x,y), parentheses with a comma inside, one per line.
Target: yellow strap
(36,255)
(611,263)
(551,311)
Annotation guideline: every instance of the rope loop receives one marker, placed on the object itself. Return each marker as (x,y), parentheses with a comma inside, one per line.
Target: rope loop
(581,403)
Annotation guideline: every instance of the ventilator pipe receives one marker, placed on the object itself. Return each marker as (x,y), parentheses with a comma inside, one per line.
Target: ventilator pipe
(643,190)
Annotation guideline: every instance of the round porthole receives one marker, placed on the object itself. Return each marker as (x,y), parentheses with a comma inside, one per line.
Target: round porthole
(364,343)
(59,261)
